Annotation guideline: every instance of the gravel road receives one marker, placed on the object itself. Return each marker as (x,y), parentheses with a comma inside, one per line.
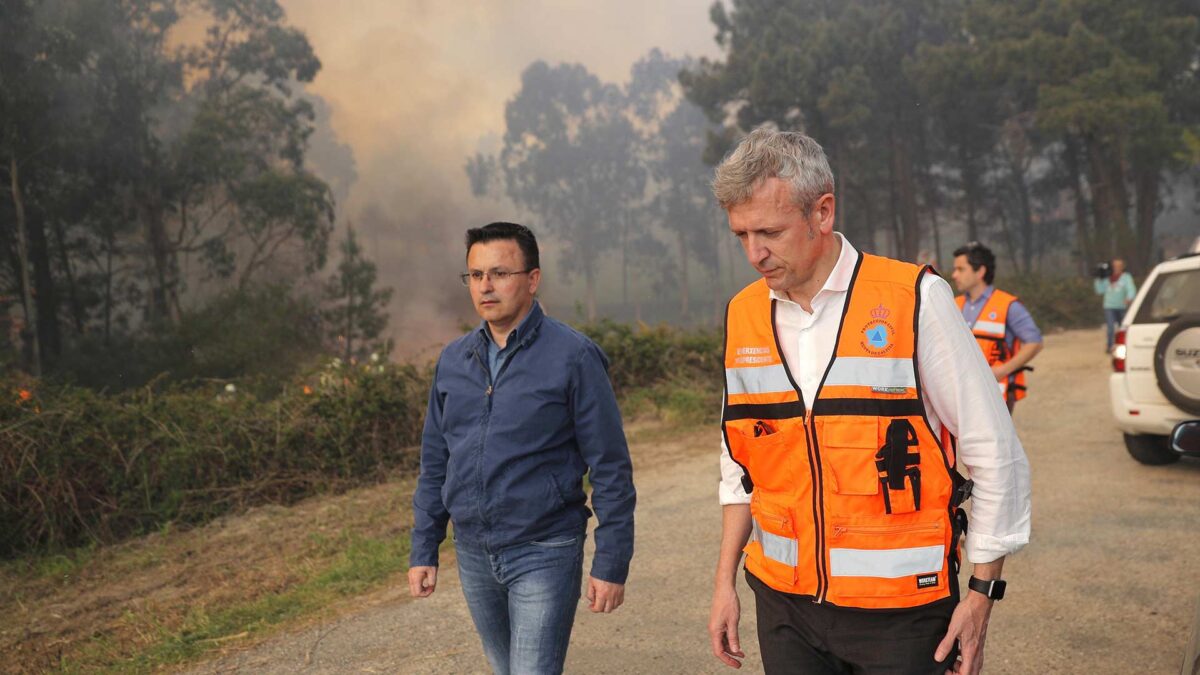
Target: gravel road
(1110,583)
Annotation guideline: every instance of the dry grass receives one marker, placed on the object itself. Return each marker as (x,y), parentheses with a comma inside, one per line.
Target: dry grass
(176,596)
(98,608)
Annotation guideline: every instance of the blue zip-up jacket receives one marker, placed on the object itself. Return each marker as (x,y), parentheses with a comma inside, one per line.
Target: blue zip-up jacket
(505,460)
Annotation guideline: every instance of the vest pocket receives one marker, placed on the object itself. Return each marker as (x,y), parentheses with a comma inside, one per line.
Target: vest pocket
(767,456)
(849,448)
(872,559)
(773,546)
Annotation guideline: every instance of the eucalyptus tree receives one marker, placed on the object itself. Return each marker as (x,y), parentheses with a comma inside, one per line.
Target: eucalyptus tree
(569,158)
(835,70)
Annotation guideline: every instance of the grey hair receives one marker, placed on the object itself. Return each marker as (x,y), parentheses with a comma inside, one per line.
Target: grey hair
(768,153)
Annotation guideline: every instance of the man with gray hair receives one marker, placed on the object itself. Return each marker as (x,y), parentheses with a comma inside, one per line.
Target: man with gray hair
(853,391)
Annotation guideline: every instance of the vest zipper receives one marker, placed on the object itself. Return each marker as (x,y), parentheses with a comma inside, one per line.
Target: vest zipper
(819,500)
(840,530)
(782,520)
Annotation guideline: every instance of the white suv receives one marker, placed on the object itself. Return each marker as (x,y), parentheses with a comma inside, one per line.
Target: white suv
(1155,385)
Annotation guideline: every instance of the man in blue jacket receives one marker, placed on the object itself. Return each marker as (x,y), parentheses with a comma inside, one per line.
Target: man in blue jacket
(520,409)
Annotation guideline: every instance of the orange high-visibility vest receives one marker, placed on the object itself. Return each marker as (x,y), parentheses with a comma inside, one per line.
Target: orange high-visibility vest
(852,497)
(991,332)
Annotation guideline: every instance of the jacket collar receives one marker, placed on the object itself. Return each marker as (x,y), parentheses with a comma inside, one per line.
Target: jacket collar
(525,332)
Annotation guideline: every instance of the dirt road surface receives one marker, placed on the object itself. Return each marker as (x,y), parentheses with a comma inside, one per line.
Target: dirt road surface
(1110,583)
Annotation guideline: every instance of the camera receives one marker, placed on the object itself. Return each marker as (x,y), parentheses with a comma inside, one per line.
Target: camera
(1103,270)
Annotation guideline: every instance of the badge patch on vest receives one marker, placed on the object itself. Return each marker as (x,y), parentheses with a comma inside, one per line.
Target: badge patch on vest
(992,316)
(927,581)
(877,334)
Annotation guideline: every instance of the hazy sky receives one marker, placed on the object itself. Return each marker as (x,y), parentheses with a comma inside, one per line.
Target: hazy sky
(413,87)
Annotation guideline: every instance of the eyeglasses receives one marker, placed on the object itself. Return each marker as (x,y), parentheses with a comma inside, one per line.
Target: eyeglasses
(497,276)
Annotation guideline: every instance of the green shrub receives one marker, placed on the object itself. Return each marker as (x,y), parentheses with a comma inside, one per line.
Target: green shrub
(262,335)
(79,466)
(1056,302)
(643,356)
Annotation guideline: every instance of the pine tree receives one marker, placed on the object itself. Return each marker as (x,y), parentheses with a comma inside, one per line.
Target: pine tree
(356,314)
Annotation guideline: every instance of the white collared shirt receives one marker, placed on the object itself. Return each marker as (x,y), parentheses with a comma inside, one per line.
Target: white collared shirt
(960,392)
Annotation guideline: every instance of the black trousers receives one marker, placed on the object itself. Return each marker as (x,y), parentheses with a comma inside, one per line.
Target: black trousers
(796,635)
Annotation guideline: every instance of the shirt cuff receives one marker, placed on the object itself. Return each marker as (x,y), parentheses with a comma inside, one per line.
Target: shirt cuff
(982,548)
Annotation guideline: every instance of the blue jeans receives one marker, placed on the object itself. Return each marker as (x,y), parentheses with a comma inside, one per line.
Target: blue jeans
(523,599)
(1112,319)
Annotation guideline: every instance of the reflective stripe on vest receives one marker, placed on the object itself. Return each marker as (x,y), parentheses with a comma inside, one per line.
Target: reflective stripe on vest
(851,496)
(872,372)
(889,563)
(758,380)
(777,548)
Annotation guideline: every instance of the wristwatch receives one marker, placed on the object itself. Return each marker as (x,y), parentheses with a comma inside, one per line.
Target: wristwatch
(993,589)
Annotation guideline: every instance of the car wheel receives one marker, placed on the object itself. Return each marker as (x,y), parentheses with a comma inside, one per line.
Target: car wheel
(1153,450)
(1177,363)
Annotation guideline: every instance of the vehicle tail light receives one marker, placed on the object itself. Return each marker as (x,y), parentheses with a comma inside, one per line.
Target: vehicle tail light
(1118,352)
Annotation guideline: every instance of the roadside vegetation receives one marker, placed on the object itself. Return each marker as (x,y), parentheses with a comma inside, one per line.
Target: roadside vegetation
(147,527)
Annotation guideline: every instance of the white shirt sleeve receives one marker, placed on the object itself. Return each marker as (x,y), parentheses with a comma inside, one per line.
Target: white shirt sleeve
(730,490)
(961,390)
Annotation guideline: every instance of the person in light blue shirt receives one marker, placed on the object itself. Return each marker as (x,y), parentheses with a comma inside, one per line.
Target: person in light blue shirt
(1012,343)
(1118,290)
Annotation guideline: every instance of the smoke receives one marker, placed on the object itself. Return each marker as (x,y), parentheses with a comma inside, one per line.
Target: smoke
(413,87)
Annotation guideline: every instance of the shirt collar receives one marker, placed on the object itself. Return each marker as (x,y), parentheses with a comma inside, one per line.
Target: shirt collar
(839,276)
(983,297)
(525,331)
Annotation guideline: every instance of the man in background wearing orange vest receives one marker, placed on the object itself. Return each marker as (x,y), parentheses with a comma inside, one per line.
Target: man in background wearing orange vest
(846,375)
(1002,326)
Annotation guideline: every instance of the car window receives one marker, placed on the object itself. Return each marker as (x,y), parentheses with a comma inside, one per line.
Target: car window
(1172,295)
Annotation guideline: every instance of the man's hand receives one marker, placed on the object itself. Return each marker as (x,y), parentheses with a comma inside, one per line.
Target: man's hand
(1000,371)
(968,625)
(723,626)
(604,596)
(422,581)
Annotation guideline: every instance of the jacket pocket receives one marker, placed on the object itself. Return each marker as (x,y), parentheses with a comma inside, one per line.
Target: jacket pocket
(849,449)
(556,542)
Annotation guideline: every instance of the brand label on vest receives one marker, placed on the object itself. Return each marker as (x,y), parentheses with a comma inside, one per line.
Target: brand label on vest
(927,581)
(888,390)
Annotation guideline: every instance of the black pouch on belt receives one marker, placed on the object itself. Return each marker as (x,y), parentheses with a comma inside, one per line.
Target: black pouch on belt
(895,463)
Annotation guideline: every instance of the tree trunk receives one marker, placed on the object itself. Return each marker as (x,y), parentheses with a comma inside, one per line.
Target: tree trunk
(906,193)
(31,319)
(1102,197)
(970,181)
(77,313)
(841,224)
(589,278)
(1083,227)
(108,289)
(1017,176)
(1147,179)
(1113,198)
(624,263)
(893,211)
(348,331)
(684,293)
